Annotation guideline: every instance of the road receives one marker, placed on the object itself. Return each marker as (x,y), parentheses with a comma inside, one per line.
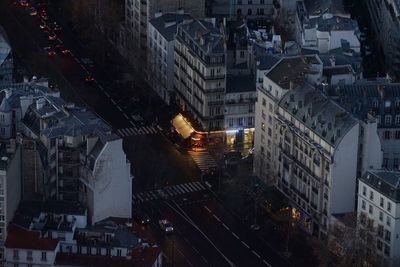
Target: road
(206,234)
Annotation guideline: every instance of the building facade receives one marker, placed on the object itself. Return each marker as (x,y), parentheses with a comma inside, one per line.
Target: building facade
(68,153)
(309,144)
(385,24)
(6,59)
(379,207)
(138,13)
(161,43)
(200,72)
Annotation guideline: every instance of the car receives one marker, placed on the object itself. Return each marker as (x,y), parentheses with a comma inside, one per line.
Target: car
(89,78)
(42,26)
(166,226)
(50,51)
(63,50)
(44,16)
(142,218)
(52,37)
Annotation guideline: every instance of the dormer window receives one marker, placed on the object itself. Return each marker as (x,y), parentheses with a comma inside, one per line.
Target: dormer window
(375,104)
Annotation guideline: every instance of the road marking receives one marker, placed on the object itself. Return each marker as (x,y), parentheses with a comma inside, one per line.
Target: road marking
(131,122)
(207,209)
(215,216)
(107,94)
(247,246)
(255,253)
(126,116)
(235,235)
(266,263)
(119,108)
(226,227)
(113,101)
(159,127)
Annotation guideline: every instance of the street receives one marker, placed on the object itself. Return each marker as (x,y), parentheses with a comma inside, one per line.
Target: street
(166,178)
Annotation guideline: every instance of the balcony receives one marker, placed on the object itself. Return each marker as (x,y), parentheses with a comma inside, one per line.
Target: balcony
(215,103)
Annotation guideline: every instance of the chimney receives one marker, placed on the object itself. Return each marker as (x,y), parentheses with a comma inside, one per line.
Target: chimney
(291,85)
(40,103)
(26,79)
(333,61)
(381,90)
(180,11)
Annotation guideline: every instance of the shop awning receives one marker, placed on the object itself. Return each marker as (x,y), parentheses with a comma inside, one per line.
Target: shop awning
(182,126)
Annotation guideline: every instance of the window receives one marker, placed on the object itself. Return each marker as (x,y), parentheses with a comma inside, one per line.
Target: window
(371,195)
(269,131)
(389,206)
(397,135)
(388,221)
(396,163)
(29,255)
(379,245)
(108,252)
(15,254)
(263,126)
(363,204)
(381,202)
(388,119)
(385,162)
(387,235)
(98,251)
(249,11)
(387,250)
(364,191)
(270,106)
(250,2)
(262,2)
(44,256)
(381,216)
(386,134)
(119,252)
(264,102)
(370,209)
(241,54)
(397,119)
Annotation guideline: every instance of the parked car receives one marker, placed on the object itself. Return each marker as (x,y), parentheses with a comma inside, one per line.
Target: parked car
(142,218)
(166,226)
(50,51)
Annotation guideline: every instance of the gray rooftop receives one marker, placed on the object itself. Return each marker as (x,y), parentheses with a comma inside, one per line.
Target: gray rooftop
(378,97)
(292,70)
(318,7)
(334,23)
(5,48)
(319,113)
(167,24)
(385,182)
(240,83)
(203,37)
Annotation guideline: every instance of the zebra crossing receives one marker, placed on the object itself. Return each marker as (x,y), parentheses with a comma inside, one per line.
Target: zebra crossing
(169,191)
(203,160)
(125,132)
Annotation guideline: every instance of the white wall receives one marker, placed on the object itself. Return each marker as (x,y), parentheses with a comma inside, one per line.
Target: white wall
(344,173)
(113,184)
(36,257)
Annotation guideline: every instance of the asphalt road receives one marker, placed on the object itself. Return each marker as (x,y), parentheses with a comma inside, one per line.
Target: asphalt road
(206,234)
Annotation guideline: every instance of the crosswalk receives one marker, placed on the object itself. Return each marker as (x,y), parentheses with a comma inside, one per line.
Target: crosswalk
(142,130)
(203,160)
(169,191)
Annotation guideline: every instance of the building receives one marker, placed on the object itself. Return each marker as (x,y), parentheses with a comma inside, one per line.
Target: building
(384,19)
(252,9)
(6,59)
(382,99)
(68,153)
(308,145)
(240,102)
(10,187)
(161,43)
(327,32)
(56,233)
(138,13)
(379,207)
(200,72)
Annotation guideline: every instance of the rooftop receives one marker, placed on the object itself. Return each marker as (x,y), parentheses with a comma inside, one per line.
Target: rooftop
(329,22)
(141,257)
(385,182)
(5,48)
(292,70)
(240,83)
(319,113)
(167,24)
(24,239)
(318,7)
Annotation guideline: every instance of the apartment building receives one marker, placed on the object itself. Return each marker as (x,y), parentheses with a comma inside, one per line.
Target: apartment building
(382,99)
(6,59)
(240,102)
(385,22)
(252,9)
(68,153)
(138,13)
(327,32)
(200,72)
(379,207)
(10,187)
(161,43)
(57,233)
(308,145)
